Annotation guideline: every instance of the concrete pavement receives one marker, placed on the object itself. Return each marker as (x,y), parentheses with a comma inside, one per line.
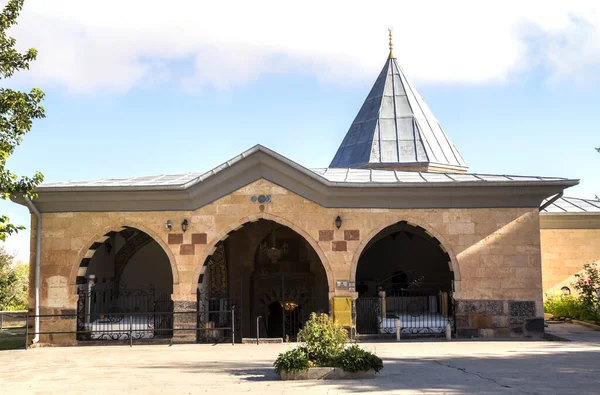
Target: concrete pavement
(574,332)
(434,367)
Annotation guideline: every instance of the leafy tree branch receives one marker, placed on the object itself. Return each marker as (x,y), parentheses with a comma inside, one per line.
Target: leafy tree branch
(17,112)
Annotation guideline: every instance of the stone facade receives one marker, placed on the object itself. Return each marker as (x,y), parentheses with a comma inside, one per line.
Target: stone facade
(494,253)
(564,252)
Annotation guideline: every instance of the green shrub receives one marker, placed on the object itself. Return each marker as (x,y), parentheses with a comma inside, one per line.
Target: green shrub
(355,359)
(588,287)
(324,345)
(294,360)
(563,306)
(570,307)
(323,339)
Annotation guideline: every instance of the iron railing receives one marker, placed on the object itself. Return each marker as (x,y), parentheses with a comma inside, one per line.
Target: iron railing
(12,318)
(120,313)
(425,309)
(217,318)
(126,330)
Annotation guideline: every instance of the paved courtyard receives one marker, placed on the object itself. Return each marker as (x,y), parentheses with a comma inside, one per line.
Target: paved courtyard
(432,367)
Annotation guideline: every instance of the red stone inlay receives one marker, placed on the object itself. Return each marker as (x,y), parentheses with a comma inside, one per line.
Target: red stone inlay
(199,238)
(352,234)
(339,246)
(186,249)
(175,238)
(325,235)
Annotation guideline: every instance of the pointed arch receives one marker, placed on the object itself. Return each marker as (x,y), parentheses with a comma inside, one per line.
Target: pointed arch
(432,233)
(88,249)
(204,259)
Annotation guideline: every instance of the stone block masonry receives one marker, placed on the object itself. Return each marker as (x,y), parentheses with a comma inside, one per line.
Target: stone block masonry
(564,253)
(494,253)
(498,318)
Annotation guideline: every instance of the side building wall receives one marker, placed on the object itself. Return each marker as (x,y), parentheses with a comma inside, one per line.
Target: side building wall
(494,253)
(568,242)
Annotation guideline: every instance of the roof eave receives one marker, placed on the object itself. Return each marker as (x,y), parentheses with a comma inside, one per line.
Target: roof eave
(262,163)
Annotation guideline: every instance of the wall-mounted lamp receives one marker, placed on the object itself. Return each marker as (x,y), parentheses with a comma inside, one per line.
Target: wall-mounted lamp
(184,225)
(338,222)
(566,291)
(169,225)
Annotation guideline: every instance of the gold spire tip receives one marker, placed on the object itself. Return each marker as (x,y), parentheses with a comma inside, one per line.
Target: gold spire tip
(391,44)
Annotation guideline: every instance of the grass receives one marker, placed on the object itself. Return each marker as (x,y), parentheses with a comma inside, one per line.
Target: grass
(12,338)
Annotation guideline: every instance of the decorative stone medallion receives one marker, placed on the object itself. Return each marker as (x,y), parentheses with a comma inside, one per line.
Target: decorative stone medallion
(261,199)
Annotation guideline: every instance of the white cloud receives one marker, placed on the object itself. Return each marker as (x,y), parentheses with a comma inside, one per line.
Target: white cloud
(90,46)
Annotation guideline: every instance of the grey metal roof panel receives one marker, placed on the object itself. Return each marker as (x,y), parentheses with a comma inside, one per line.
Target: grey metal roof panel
(348,177)
(359,175)
(409,176)
(572,205)
(383,176)
(436,177)
(463,177)
(398,126)
(373,176)
(175,179)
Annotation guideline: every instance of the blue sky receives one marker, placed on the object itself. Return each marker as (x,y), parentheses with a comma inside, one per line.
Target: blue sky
(521,97)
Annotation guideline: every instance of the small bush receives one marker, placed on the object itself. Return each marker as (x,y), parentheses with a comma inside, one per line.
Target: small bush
(323,339)
(295,360)
(563,306)
(588,287)
(324,345)
(355,359)
(570,307)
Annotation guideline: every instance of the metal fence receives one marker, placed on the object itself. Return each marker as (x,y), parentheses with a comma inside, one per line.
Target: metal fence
(217,319)
(12,319)
(126,329)
(423,310)
(115,314)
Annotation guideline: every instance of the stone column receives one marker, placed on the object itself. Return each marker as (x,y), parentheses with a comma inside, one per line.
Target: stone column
(184,318)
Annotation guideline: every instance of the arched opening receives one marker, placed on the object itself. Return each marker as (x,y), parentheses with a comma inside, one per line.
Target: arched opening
(403,277)
(265,270)
(125,284)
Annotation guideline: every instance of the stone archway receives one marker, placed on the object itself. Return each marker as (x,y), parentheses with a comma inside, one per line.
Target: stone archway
(125,278)
(89,249)
(435,236)
(403,274)
(297,279)
(223,235)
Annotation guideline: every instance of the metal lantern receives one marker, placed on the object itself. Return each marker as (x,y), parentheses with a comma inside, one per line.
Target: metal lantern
(338,222)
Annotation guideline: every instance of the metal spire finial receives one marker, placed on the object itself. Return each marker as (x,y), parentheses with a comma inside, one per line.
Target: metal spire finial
(391,44)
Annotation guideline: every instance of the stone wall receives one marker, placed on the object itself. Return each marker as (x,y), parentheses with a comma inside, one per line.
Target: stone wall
(564,252)
(497,318)
(495,253)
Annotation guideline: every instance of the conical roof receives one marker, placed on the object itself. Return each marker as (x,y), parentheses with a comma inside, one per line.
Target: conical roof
(395,129)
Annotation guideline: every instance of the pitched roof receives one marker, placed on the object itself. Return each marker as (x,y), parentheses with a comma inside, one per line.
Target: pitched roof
(337,176)
(395,129)
(572,205)
(343,188)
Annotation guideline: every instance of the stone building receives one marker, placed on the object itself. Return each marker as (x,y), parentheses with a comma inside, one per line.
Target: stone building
(395,230)
(570,238)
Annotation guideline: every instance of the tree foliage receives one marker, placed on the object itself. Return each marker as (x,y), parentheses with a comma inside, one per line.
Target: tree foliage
(13,282)
(17,112)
